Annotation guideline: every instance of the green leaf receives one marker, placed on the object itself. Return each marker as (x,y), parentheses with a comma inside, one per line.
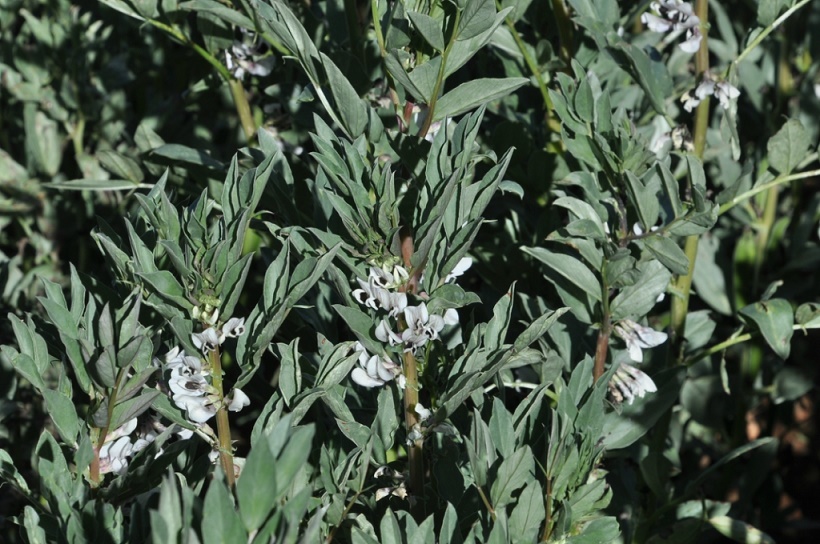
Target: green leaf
(180,154)
(528,514)
(636,300)
(63,414)
(42,140)
(222,11)
(429,28)
(132,408)
(668,253)
(788,147)
(105,368)
(502,430)
(740,531)
(775,319)
(477,17)
(514,472)
(93,185)
(768,10)
(566,269)
(474,93)
(625,428)
(9,473)
(220,521)
(121,166)
(166,286)
(651,74)
(350,108)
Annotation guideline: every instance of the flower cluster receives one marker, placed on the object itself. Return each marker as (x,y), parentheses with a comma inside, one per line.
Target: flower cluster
(675,16)
(628,382)
(190,388)
(118,447)
(243,58)
(724,91)
(418,327)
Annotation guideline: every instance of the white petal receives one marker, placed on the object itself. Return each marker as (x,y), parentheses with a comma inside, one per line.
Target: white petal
(451,317)
(361,377)
(234,327)
(423,412)
(635,352)
(238,400)
(461,267)
(655,23)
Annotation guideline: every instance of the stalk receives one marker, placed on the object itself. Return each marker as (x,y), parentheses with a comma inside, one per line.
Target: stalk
(602,346)
(431,108)
(682,285)
(240,99)
(552,124)
(223,426)
(415,452)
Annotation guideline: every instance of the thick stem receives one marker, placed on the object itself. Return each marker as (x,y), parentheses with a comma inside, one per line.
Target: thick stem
(240,99)
(223,426)
(415,452)
(602,347)
(682,285)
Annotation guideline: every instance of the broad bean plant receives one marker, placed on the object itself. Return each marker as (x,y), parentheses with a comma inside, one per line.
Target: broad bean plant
(397,271)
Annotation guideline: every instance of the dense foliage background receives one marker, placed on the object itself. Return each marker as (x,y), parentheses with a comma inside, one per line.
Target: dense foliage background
(166,165)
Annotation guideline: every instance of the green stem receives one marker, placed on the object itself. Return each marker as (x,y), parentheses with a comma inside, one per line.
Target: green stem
(708,352)
(779,180)
(552,124)
(431,107)
(223,426)
(415,452)
(768,30)
(682,285)
(602,346)
(564,23)
(237,91)
(377,28)
(94,469)
(240,99)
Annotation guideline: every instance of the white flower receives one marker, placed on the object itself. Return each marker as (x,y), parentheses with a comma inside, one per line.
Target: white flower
(389,277)
(375,370)
(207,340)
(114,455)
(378,298)
(123,430)
(234,327)
(237,400)
(675,16)
(199,409)
(421,326)
(722,90)
(451,317)
(726,93)
(385,334)
(397,491)
(638,337)
(628,382)
(423,413)
(239,60)
(187,384)
(186,364)
(461,267)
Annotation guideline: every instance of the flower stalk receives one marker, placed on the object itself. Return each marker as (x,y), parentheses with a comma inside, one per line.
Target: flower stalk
(223,425)
(682,285)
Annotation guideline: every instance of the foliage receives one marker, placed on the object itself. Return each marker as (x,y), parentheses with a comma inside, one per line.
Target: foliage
(454,271)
